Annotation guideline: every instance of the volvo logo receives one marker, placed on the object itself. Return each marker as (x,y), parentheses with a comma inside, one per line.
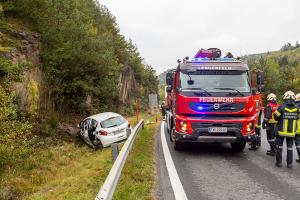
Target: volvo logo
(216,106)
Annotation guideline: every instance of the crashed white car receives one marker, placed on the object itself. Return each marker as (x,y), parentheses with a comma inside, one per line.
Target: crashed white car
(103,129)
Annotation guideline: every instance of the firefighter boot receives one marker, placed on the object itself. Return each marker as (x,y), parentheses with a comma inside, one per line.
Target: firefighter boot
(272,152)
(253,146)
(279,165)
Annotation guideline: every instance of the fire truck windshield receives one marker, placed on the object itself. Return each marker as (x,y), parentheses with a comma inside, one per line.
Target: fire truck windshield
(215,81)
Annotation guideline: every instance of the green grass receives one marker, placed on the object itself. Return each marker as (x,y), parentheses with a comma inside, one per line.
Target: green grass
(65,171)
(137,177)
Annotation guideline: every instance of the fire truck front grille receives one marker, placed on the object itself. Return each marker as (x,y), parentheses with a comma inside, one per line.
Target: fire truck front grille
(216,107)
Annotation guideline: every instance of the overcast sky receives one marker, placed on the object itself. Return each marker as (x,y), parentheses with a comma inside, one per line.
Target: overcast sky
(165,30)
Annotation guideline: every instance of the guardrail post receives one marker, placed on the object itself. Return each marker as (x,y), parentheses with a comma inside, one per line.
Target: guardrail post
(114,151)
(128,132)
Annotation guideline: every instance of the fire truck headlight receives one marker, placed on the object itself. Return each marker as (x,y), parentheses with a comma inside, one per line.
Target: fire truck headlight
(183,125)
(249,126)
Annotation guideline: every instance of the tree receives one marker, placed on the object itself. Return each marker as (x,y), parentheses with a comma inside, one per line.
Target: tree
(297,44)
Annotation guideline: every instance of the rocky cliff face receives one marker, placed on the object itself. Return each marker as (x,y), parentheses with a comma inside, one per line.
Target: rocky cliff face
(23,50)
(127,85)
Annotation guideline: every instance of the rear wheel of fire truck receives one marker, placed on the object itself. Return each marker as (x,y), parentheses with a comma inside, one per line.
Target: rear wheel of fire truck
(238,146)
(178,145)
(171,134)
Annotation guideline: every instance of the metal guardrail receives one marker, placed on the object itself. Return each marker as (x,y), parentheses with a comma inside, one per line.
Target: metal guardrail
(107,190)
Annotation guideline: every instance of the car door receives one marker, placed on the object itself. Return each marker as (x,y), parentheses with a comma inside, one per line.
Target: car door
(85,130)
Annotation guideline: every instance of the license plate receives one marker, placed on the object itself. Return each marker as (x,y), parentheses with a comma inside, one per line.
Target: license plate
(217,129)
(118,132)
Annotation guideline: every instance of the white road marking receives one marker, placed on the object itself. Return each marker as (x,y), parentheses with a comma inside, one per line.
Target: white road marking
(174,178)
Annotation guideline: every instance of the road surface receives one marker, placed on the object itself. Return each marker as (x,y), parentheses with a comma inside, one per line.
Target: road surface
(214,172)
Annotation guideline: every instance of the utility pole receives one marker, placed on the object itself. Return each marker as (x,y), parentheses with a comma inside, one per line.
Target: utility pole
(137,109)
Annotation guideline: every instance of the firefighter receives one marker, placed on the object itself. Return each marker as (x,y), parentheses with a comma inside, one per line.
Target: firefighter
(163,109)
(297,136)
(256,143)
(269,122)
(287,116)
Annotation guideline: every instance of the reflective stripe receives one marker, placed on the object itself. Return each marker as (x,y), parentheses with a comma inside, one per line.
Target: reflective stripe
(285,125)
(297,147)
(290,149)
(277,113)
(291,110)
(272,120)
(284,131)
(257,126)
(288,134)
(272,140)
(298,126)
(280,147)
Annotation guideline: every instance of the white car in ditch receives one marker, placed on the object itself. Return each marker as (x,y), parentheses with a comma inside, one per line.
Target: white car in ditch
(103,129)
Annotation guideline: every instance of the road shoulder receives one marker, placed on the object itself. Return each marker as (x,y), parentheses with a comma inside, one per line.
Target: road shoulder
(163,188)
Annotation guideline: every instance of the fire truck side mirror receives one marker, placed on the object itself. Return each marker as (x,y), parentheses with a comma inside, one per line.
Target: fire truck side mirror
(168,89)
(260,81)
(169,78)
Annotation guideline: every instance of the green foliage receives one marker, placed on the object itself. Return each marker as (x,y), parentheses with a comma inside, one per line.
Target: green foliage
(12,129)
(83,51)
(281,70)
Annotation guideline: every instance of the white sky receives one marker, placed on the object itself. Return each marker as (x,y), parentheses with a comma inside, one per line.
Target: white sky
(165,30)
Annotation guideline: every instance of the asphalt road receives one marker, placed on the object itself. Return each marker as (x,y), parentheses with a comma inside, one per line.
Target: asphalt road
(213,171)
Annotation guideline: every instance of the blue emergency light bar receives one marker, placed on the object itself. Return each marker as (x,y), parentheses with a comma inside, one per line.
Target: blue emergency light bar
(212,60)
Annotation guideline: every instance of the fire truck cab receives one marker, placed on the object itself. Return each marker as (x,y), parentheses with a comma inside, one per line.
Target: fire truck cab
(213,100)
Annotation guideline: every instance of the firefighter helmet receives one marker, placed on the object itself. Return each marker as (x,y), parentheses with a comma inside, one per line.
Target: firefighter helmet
(298,97)
(271,97)
(289,95)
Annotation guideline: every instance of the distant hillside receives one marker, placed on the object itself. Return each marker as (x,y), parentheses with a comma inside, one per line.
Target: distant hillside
(282,68)
(291,54)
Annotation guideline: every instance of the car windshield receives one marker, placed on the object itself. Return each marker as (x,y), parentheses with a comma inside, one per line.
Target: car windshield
(112,122)
(215,81)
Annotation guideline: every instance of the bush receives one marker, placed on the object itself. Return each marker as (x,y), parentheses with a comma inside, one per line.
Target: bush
(13,132)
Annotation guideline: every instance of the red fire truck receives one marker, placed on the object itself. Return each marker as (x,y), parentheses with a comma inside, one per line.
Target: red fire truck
(213,99)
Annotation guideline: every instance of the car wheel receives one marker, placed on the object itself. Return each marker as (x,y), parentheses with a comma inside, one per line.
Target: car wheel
(97,144)
(238,146)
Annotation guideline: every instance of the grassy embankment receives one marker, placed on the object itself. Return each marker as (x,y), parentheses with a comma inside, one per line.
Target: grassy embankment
(71,170)
(137,178)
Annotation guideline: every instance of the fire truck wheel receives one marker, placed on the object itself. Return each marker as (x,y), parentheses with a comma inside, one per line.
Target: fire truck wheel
(238,146)
(171,134)
(178,145)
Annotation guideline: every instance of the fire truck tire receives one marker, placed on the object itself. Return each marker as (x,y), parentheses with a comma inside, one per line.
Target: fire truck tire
(171,134)
(178,145)
(238,146)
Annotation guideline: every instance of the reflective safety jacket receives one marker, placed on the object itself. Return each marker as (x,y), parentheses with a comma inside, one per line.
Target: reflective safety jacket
(269,112)
(298,124)
(287,116)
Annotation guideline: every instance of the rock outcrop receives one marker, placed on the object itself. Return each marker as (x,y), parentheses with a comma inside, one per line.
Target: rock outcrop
(127,85)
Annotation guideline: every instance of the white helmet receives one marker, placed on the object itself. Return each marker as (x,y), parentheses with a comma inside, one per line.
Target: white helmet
(298,97)
(289,95)
(271,97)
